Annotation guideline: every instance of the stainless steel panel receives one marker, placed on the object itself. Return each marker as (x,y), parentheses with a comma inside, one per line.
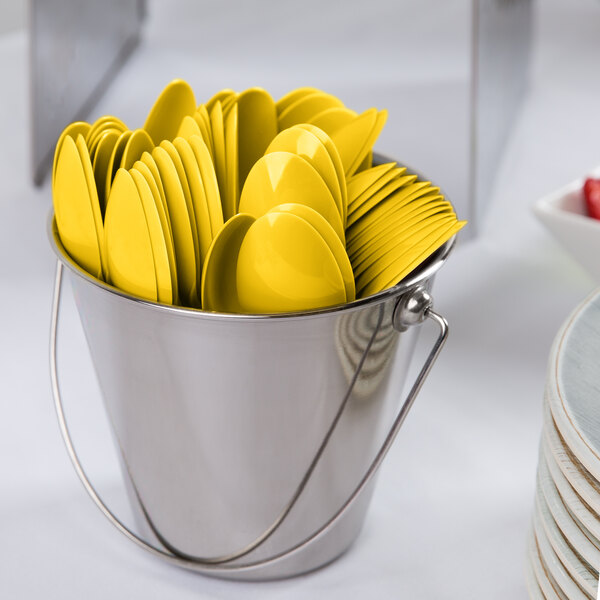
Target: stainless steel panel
(502,31)
(76,47)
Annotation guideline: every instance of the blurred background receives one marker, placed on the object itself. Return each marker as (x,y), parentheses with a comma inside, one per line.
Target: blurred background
(497,102)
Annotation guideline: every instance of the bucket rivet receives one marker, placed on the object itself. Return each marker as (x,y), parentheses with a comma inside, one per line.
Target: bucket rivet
(411,309)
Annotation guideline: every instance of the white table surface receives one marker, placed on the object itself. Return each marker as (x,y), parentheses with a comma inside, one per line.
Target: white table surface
(452,508)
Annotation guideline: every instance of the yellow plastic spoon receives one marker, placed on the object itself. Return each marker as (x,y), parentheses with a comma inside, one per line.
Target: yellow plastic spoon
(274,276)
(363,207)
(417,209)
(257,126)
(115,160)
(218,136)
(172,105)
(392,175)
(362,156)
(73,130)
(127,239)
(73,210)
(281,178)
(100,164)
(202,118)
(102,124)
(232,193)
(187,194)
(189,127)
(219,288)
(298,140)
(403,250)
(361,182)
(138,143)
(337,163)
(160,253)
(379,254)
(192,173)
(182,228)
(312,217)
(305,108)
(218,97)
(333,119)
(158,197)
(209,180)
(88,172)
(406,265)
(293,96)
(386,208)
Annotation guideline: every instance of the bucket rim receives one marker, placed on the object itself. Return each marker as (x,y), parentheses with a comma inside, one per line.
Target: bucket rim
(420,274)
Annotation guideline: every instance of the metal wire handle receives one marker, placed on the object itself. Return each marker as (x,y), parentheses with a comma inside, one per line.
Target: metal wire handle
(412,308)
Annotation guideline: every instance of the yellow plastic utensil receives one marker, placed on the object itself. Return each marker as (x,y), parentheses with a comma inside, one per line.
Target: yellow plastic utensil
(312,217)
(101,162)
(378,254)
(232,190)
(127,238)
(183,239)
(392,175)
(165,219)
(363,207)
(404,250)
(209,180)
(257,126)
(418,209)
(93,147)
(305,108)
(157,239)
(401,270)
(219,287)
(172,105)
(358,184)
(138,143)
(88,172)
(73,210)
(192,173)
(115,160)
(202,118)
(100,125)
(356,139)
(332,119)
(385,209)
(218,97)
(273,276)
(218,136)
(370,142)
(158,196)
(337,163)
(298,140)
(189,127)
(187,194)
(293,96)
(73,130)
(281,178)
(228,104)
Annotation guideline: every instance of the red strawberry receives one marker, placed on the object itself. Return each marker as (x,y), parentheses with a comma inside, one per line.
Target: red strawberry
(591,193)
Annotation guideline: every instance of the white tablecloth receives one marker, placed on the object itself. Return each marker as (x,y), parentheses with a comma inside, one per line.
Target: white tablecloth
(452,507)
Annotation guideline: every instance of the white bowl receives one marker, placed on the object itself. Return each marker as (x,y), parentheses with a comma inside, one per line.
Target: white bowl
(563,213)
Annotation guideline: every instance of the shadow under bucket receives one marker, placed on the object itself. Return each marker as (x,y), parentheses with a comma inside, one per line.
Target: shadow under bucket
(249,442)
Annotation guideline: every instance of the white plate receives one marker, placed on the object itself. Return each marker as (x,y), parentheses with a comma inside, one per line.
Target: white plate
(573,384)
(566,546)
(554,566)
(546,581)
(580,510)
(563,213)
(534,570)
(581,480)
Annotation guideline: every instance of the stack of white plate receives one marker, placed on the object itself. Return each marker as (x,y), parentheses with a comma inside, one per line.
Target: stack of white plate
(564,545)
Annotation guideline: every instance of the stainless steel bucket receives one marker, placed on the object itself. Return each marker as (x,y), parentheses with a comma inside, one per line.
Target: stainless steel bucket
(249,443)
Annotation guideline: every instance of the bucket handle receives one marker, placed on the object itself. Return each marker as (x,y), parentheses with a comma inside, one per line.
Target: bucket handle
(412,308)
